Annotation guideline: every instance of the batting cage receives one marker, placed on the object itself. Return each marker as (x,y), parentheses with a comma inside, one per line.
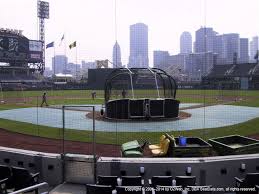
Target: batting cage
(140,93)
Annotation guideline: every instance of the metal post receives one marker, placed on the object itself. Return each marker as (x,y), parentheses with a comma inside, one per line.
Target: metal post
(94,144)
(76,61)
(63,144)
(132,90)
(63,129)
(54,61)
(38,115)
(2,95)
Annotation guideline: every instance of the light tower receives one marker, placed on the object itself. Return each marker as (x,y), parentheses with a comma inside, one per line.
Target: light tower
(43,13)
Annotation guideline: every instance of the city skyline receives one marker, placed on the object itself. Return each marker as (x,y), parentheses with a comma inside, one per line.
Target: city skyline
(94,30)
(225,46)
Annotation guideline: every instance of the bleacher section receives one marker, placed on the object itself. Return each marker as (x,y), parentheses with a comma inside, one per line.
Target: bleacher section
(165,184)
(6,77)
(240,70)
(243,70)
(15,179)
(235,76)
(219,70)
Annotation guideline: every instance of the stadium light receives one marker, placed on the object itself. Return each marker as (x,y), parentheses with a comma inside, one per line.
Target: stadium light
(43,13)
(43,10)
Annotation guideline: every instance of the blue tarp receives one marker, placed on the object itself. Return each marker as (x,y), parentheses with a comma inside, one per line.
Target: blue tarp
(205,117)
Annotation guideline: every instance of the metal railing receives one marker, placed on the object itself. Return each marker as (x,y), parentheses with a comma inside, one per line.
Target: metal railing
(32,188)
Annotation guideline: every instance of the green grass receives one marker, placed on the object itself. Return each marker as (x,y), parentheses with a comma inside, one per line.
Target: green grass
(33,98)
(100,93)
(248,102)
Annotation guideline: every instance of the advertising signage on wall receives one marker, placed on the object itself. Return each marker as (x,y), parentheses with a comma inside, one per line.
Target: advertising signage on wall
(35,51)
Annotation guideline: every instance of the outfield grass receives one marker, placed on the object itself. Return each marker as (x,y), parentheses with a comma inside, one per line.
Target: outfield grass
(100,93)
(33,98)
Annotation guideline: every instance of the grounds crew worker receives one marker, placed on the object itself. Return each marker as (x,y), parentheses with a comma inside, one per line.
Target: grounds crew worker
(44,99)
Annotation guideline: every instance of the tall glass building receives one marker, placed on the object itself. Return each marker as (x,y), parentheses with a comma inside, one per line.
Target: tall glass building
(138,45)
(116,56)
(186,43)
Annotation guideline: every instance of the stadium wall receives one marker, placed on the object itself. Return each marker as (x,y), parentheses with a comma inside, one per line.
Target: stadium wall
(216,171)
(97,78)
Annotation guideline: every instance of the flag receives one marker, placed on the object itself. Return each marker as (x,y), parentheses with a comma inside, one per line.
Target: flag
(62,38)
(50,45)
(72,45)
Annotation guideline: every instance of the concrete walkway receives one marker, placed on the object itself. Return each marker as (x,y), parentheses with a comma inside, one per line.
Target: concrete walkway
(67,188)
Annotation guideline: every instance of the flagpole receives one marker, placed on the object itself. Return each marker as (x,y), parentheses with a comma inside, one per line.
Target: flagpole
(76,60)
(65,54)
(54,61)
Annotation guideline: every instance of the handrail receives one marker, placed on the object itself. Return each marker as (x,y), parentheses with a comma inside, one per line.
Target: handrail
(31,188)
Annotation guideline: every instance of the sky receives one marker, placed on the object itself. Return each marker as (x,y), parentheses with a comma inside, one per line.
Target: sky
(92,23)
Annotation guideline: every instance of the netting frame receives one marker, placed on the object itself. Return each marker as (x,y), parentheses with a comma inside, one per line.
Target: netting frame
(153,72)
(141,80)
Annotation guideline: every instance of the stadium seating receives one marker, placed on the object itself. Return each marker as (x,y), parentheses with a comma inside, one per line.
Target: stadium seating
(185,181)
(154,185)
(132,181)
(5,172)
(251,180)
(107,180)
(224,76)
(15,178)
(161,180)
(98,189)
(3,186)
(22,178)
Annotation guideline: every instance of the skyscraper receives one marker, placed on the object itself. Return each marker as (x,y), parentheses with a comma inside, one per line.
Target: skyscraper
(186,43)
(254,47)
(231,47)
(59,63)
(218,49)
(138,45)
(116,56)
(160,59)
(204,38)
(244,56)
